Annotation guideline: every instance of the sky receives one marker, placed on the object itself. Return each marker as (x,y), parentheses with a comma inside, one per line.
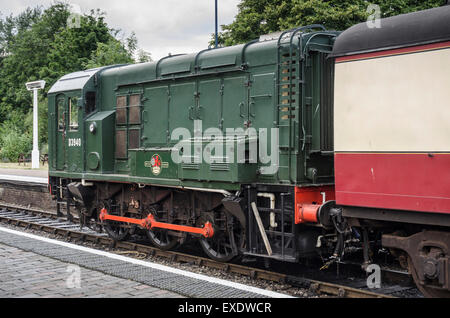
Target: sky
(161,26)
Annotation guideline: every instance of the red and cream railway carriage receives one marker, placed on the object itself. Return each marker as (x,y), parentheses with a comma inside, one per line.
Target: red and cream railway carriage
(392,137)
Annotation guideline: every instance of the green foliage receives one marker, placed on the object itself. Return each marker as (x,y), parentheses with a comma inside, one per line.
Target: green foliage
(27,51)
(15,143)
(40,44)
(257,17)
(42,121)
(109,53)
(16,136)
(72,47)
(144,56)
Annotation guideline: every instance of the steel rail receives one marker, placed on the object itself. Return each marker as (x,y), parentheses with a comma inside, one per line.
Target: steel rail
(315,286)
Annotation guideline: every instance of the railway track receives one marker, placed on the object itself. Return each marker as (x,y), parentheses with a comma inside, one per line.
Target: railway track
(48,222)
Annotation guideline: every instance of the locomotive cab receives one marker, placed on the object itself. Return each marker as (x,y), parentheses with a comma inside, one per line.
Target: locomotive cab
(72,109)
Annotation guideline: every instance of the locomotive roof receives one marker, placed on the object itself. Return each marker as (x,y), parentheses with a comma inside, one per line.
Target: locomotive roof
(206,62)
(75,81)
(423,27)
(180,65)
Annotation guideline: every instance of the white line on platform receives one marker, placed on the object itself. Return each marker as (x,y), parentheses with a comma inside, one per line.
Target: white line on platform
(151,265)
(23,178)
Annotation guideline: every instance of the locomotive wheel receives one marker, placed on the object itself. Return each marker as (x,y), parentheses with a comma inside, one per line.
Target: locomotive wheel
(161,239)
(219,248)
(116,230)
(427,291)
(223,246)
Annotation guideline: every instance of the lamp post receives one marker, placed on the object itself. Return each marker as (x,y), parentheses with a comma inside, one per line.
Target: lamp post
(35,86)
(217,27)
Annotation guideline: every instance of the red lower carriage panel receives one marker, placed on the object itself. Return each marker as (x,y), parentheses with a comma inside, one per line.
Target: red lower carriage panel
(399,181)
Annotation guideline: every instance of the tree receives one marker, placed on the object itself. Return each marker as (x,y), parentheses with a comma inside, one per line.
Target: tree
(257,17)
(144,56)
(41,44)
(38,44)
(11,26)
(109,53)
(72,47)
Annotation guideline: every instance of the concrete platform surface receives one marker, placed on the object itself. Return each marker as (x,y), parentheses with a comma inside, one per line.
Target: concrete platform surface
(35,266)
(29,275)
(25,172)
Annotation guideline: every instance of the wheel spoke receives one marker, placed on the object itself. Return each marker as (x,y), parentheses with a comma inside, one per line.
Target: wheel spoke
(222,246)
(161,239)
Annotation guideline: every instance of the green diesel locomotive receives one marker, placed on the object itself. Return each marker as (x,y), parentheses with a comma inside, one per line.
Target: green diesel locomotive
(231,145)
(304,143)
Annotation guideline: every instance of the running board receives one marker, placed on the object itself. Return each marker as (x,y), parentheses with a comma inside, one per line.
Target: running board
(150,223)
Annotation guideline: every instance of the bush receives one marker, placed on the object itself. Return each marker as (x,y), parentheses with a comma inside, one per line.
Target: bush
(44,149)
(14,143)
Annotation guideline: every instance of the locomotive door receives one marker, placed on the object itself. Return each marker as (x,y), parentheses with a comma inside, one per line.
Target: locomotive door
(68,139)
(235,103)
(262,114)
(60,131)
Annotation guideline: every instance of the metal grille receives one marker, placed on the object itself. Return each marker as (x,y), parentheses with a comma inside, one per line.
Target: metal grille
(220,167)
(135,110)
(326,100)
(121,144)
(133,136)
(135,100)
(135,115)
(121,110)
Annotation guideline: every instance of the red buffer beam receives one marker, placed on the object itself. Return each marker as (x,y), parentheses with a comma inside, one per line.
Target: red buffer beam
(150,223)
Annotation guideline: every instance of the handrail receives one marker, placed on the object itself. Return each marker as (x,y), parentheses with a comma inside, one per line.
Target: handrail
(165,58)
(197,56)
(302,28)
(245,48)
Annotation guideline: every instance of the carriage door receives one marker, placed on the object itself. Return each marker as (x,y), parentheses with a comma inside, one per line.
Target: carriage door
(69,146)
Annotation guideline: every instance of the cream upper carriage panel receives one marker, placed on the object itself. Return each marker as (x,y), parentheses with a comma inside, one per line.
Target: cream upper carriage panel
(394,103)
(392,85)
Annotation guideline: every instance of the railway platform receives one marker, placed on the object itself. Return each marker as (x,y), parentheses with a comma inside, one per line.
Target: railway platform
(24,176)
(35,267)
(29,275)
(26,187)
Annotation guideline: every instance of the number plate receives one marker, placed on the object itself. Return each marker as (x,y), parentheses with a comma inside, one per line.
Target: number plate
(74,142)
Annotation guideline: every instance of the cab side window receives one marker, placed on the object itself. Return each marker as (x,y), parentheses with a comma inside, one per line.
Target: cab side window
(60,110)
(90,102)
(73,111)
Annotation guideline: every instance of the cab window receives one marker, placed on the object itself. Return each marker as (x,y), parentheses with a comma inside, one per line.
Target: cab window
(90,102)
(60,106)
(73,111)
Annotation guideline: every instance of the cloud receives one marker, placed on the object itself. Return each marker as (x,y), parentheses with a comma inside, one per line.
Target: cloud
(162,27)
